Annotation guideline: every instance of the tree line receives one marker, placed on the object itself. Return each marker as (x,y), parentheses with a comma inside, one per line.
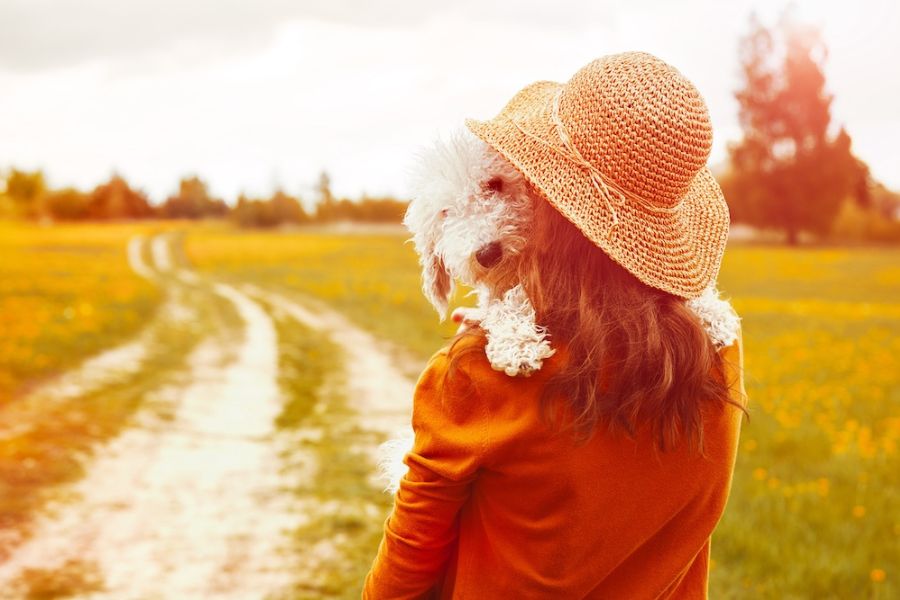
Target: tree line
(25,195)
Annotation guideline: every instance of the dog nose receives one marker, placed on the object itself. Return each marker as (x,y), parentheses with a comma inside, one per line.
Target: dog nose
(489,254)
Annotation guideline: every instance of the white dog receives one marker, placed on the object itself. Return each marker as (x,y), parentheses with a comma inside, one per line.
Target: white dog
(470,214)
(469,217)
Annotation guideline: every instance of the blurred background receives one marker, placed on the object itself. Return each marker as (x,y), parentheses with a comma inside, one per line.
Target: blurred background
(209,319)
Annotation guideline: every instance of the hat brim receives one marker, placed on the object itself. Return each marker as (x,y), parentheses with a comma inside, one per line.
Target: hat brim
(679,252)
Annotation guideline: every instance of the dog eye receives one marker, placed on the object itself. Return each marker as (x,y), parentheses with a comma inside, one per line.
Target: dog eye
(444,212)
(494,184)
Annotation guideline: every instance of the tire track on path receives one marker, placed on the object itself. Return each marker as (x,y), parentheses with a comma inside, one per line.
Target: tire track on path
(376,388)
(373,403)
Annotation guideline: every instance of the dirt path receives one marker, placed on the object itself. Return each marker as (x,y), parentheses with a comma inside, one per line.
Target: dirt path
(379,396)
(190,506)
(376,387)
(192,503)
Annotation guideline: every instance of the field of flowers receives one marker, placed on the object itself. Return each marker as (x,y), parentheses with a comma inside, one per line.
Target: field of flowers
(815,506)
(66,292)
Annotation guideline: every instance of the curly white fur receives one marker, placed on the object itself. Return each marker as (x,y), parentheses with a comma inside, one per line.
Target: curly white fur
(454,212)
(391,467)
(722,323)
(466,195)
(516,344)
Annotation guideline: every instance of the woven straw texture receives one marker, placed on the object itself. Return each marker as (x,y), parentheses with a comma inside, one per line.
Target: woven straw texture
(621,150)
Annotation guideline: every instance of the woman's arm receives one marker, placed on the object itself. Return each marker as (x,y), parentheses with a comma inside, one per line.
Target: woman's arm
(451,426)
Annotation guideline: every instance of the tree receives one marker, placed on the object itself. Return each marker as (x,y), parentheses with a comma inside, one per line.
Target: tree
(380,210)
(26,192)
(326,205)
(885,202)
(193,201)
(280,209)
(68,204)
(287,209)
(117,200)
(788,172)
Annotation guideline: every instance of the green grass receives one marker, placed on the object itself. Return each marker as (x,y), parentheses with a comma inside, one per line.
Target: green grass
(372,278)
(815,505)
(836,274)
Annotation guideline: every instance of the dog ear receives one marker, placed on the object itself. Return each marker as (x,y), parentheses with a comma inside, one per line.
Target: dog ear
(719,319)
(437,284)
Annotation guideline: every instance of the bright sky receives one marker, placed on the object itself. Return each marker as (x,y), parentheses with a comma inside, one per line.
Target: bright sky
(254,95)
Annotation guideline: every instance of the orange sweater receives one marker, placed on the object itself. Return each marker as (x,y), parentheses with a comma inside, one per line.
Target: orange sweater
(497,505)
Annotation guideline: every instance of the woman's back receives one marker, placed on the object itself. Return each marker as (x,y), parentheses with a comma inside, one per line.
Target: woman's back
(586,221)
(497,503)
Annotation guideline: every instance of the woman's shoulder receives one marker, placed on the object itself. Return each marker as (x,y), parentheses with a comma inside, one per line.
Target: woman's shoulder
(462,359)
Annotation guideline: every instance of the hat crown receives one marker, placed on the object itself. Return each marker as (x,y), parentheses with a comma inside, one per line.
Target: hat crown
(640,122)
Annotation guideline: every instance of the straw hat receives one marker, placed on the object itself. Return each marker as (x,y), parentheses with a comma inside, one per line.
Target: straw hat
(620,150)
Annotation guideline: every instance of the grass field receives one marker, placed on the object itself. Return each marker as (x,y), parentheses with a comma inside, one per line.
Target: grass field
(371,278)
(815,505)
(65,293)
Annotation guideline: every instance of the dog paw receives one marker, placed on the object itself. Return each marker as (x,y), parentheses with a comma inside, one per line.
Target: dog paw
(516,344)
(718,317)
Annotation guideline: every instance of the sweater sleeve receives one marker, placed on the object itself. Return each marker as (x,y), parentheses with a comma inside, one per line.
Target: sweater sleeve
(451,427)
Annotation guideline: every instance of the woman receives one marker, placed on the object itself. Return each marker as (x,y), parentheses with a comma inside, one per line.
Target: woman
(601,469)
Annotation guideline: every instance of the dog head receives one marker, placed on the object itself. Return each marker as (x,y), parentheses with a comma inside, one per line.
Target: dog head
(468,217)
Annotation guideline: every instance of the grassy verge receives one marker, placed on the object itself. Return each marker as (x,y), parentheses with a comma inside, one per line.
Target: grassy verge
(342,510)
(813,511)
(66,292)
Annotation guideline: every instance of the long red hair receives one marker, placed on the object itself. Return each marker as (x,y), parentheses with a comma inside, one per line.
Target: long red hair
(637,355)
